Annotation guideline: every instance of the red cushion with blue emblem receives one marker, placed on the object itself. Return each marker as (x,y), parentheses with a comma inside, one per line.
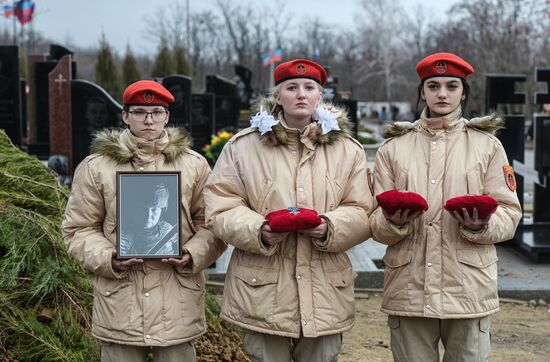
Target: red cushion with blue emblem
(292,219)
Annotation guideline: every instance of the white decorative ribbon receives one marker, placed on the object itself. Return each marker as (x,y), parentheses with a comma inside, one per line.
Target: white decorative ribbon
(263,122)
(327,119)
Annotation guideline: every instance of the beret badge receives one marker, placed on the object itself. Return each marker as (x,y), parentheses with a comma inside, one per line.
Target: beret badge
(148,97)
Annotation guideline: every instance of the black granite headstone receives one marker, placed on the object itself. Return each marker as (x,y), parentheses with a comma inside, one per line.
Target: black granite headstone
(351,106)
(10,93)
(500,89)
(243,80)
(221,86)
(202,120)
(24,131)
(180,109)
(92,109)
(227,101)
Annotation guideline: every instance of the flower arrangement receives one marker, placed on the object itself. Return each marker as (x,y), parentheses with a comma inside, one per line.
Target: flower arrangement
(214,148)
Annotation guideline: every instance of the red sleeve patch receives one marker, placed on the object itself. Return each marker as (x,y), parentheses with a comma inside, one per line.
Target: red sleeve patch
(510,177)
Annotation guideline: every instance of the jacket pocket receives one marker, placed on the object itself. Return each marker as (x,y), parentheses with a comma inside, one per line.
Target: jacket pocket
(113,303)
(342,298)
(479,272)
(473,183)
(253,293)
(396,271)
(191,298)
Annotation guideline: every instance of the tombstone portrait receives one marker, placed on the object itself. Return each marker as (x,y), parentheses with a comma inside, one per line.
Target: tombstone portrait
(148,215)
(180,109)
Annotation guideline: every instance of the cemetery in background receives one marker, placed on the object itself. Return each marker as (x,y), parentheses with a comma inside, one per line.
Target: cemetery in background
(54,97)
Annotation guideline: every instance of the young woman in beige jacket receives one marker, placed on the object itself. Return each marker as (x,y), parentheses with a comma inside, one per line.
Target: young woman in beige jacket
(292,292)
(440,278)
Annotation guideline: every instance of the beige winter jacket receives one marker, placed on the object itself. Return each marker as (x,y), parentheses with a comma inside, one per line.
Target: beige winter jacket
(154,304)
(299,284)
(434,267)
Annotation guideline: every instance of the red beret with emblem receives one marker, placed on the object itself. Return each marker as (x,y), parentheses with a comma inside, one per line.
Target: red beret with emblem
(292,219)
(147,93)
(484,204)
(443,65)
(394,200)
(300,68)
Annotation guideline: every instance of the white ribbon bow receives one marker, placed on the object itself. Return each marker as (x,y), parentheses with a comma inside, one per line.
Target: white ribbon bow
(327,119)
(263,122)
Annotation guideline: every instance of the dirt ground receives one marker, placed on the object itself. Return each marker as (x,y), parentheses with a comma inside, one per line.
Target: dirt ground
(519,333)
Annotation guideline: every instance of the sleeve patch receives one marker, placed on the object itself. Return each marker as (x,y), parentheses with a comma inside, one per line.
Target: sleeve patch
(510,177)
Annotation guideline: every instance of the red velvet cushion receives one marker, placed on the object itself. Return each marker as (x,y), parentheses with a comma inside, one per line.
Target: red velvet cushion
(393,200)
(292,219)
(485,205)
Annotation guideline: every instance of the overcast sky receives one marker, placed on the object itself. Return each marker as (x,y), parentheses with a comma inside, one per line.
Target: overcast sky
(81,22)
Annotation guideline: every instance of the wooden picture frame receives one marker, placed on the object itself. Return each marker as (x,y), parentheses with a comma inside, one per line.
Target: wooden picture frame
(148,215)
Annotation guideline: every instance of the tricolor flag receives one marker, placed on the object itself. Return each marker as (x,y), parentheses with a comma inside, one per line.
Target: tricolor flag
(272,57)
(8,9)
(24,10)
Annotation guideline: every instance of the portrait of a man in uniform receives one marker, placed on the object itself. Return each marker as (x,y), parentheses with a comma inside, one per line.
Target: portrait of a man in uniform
(148,221)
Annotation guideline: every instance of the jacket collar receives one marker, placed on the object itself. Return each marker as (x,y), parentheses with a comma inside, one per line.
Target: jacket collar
(122,146)
(312,134)
(447,122)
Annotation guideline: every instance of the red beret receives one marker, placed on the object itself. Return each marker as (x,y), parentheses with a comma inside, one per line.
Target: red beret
(300,68)
(292,219)
(443,65)
(394,200)
(147,93)
(484,204)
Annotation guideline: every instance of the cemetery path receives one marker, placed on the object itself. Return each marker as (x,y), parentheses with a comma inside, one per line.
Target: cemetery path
(520,333)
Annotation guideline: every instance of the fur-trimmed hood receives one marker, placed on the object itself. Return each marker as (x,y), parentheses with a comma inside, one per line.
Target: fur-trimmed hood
(120,144)
(490,124)
(278,135)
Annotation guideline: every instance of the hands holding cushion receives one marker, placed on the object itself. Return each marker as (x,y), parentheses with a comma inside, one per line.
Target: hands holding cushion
(401,207)
(472,211)
(281,222)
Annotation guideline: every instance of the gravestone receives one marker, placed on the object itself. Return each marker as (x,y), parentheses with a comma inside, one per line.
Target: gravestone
(227,101)
(202,119)
(24,130)
(500,89)
(93,109)
(541,210)
(531,236)
(10,94)
(39,84)
(351,106)
(180,109)
(59,91)
(244,89)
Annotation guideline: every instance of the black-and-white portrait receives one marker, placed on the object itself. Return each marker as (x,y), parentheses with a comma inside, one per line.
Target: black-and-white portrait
(148,215)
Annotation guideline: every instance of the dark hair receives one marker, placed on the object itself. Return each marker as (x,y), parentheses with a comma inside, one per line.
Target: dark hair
(464,103)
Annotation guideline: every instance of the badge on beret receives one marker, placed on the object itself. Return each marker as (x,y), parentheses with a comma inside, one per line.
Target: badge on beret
(148,97)
(440,67)
(300,68)
(370,178)
(510,177)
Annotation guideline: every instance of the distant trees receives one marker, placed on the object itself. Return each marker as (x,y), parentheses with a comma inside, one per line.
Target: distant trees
(130,71)
(164,61)
(373,54)
(107,74)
